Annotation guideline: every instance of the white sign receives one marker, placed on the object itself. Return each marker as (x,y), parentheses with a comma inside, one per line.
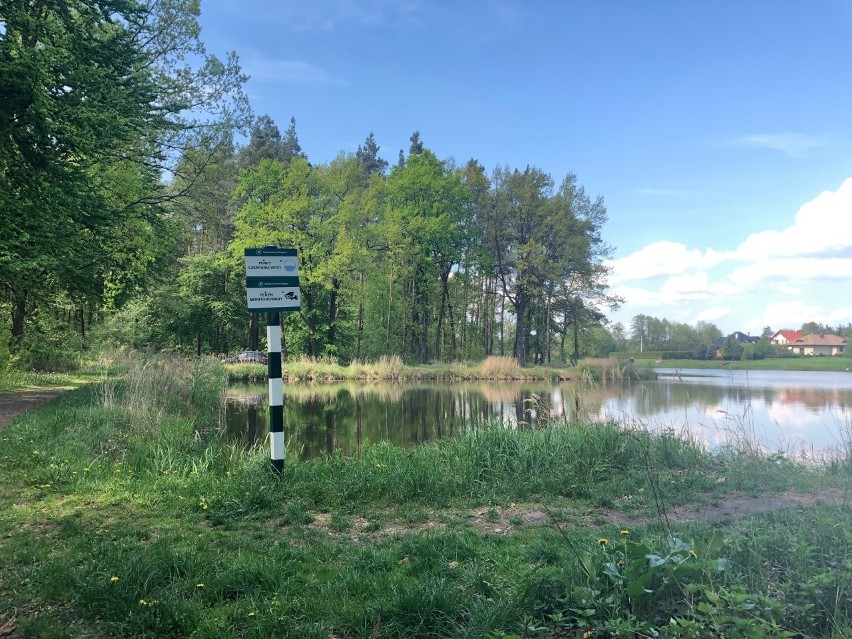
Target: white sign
(279,298)
(272,266)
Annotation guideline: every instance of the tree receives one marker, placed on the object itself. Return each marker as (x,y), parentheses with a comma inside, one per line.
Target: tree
(425,224)
(543,243)
(292,148)
(732,349)
(102,100)
(266,143)
(368,158)
(416,147)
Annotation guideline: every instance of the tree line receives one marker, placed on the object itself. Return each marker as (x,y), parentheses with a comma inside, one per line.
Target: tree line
(654,334)
(125,206)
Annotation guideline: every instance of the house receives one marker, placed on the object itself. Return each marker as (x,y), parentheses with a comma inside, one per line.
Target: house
(818,345)
(785,336)
(737,337)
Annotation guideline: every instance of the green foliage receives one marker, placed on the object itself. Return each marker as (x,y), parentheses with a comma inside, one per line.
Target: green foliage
(49,345)
(759,350)
(104,99)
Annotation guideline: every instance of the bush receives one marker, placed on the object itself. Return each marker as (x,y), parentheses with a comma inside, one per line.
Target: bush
(49,346)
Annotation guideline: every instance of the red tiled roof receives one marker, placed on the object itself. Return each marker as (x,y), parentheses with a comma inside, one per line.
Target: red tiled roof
(789,335)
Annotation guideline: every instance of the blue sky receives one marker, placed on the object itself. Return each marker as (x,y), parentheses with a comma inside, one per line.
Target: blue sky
(718,133)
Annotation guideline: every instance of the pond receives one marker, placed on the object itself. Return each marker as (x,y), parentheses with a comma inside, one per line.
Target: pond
(805,413)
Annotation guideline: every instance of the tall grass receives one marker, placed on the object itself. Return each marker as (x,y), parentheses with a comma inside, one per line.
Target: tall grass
(392,368)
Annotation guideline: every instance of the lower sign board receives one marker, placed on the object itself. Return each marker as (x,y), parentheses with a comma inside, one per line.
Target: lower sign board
(273,294)
(284,298)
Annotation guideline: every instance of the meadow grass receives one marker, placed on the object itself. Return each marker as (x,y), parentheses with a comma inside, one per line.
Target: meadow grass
(828,364)
(393,369)
(123,514)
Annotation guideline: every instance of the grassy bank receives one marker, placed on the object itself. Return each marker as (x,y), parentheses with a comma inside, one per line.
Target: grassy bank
(830,364)
(11,380)
(123,515)
(393,369)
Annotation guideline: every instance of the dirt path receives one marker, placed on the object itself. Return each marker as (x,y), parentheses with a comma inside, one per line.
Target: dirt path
(15,403)
(509,520)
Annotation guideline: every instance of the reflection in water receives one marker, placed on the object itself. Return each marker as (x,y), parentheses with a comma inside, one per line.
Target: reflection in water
(786,411)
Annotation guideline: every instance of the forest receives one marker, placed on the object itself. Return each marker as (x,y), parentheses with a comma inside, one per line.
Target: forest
(134,175)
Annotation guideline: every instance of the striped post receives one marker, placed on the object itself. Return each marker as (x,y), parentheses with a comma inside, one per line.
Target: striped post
(276,391)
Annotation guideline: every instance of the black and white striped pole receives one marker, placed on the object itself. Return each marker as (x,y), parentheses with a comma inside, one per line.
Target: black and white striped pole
(272,285)
(276,391)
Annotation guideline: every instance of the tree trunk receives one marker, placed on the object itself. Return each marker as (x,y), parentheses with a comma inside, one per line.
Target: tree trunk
(455,354)
(502,325)
(19,314)
(333,311)
(445,275)
(390,301)
(463,334)
(253,333)
(547,329)
(521,341)
(576,340)
(360,329)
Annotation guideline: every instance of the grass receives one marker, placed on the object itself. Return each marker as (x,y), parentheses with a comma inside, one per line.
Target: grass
(392,368)
(11,380)
(123,515)
(829,364)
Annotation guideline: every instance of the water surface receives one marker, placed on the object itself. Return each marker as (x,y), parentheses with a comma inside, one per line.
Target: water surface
(793,412)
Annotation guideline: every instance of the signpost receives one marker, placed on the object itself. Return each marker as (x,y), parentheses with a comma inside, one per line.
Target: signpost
(272,286)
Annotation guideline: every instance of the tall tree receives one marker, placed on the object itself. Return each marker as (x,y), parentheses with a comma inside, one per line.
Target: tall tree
(425,224)
(368,157)
(102,100)
(265,143)
(541,239)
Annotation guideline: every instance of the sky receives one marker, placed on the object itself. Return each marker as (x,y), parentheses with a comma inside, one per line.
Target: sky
(719,134)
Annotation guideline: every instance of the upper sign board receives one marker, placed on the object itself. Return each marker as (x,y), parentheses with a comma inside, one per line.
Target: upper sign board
(271,262)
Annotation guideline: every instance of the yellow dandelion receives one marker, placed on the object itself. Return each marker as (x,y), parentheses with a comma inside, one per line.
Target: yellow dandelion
(199,585)
(203,505)
(113,579)
(624,532)
(603,541)
(251,613)
(143,602)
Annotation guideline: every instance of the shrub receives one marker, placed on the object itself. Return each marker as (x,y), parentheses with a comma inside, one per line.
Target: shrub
(48,345)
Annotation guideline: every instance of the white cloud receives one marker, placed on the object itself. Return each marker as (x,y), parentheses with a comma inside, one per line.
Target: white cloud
(786,272)
(288,71)
(789,275)
(790,313)
(795,145)
(713,313)
(840,316)
(822,226)
(661,258)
